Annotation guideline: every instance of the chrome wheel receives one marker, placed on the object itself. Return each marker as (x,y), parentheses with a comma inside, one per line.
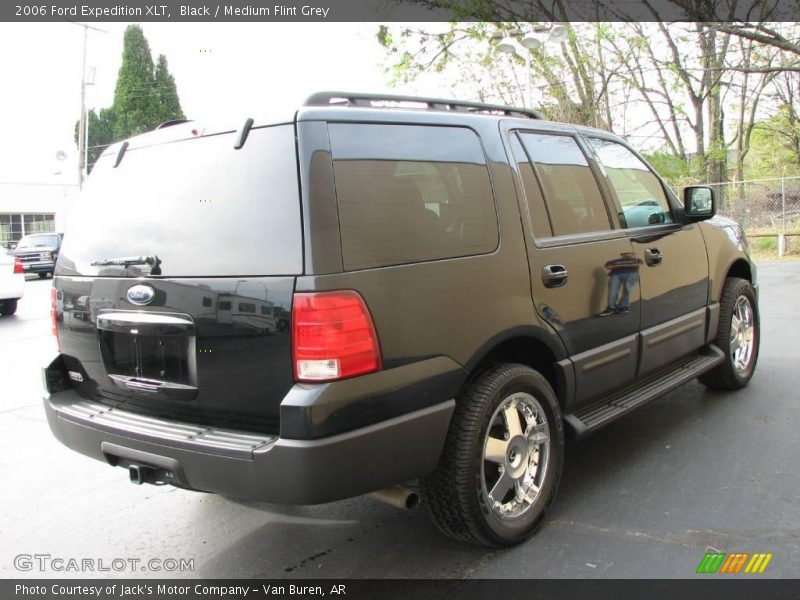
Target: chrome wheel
(742,334)
(515,455)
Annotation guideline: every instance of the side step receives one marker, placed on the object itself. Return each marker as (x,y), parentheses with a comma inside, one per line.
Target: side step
(608,410)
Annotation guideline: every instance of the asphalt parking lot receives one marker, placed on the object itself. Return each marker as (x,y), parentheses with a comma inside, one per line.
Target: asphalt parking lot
(692,472)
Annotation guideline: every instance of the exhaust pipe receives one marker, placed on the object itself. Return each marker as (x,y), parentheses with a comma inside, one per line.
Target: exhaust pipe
(397,496)
(140,474)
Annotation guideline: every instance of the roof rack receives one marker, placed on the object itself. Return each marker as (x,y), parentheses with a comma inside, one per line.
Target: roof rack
(359,99)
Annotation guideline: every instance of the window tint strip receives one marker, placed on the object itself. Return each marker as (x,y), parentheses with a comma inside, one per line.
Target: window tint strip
(351,141)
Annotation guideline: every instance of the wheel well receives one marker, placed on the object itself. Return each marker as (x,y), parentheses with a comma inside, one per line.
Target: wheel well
(525,351)
(740,269)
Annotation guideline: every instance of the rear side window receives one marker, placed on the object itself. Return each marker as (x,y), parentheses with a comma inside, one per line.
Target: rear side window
(410,193)
(641,198)
(573,199)
(533,191)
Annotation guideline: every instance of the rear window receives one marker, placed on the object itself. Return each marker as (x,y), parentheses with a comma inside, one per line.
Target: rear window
(409,193)
(199,206)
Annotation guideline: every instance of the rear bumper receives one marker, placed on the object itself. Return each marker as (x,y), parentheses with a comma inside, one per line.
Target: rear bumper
(252,466)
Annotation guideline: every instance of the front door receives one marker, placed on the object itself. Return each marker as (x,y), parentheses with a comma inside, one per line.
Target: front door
(672,257)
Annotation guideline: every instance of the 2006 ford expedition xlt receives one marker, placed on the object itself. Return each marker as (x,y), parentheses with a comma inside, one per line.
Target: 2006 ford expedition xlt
(407,296)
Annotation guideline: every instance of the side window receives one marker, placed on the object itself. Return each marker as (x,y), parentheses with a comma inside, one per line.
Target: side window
(641,197)
(533,192)
(409,193)
(571,194)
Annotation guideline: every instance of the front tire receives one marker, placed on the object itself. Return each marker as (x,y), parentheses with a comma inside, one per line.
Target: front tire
(738,336)
(502,460)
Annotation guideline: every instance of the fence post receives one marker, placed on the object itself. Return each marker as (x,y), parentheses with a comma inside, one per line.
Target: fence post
(781,245)
(783,199)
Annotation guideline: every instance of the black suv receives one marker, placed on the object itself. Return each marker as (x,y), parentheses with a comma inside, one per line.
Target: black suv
(406,296)
(38,253)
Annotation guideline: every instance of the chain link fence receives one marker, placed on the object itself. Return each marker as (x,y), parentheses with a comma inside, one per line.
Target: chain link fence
(767,209)
(761,205)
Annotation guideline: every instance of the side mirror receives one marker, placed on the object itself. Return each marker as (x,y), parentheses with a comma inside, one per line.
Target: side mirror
(698,202)
(12,246)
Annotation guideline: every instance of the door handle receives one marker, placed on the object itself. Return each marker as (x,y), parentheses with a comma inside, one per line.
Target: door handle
(554,276)
(652,256)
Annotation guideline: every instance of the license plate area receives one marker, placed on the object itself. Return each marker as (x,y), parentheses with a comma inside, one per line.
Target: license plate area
(149,353)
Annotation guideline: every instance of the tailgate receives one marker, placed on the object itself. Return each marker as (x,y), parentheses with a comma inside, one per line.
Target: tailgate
(210,351)
(176,275)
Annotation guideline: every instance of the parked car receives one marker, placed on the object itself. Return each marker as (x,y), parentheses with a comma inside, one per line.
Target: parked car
(38,252)
(12,283)
(477,282)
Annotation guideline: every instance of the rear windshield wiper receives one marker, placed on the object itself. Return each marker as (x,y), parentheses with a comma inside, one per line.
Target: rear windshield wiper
(127,261)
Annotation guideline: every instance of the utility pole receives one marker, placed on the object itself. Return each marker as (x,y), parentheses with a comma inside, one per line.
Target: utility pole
(83,124)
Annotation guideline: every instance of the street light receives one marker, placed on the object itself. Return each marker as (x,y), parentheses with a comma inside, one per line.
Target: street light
(507,45)
(535,40)
(558,34)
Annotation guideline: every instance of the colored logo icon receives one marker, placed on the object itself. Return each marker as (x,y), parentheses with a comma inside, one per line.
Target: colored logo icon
(734,563)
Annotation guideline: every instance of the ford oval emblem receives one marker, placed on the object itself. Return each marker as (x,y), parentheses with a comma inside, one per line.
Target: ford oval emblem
(141,294)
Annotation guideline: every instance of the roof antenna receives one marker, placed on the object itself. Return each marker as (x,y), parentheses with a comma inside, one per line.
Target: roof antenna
(241,137)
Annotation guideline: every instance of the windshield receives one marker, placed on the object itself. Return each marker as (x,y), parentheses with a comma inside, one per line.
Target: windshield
(196,207)
(38,241)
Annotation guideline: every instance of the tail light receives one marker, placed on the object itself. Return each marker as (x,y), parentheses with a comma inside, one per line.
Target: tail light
(333,336)
(54,314)
(17,265)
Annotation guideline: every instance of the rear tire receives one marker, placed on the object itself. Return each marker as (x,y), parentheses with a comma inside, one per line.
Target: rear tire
(738,336)
(8,307)
(502,459)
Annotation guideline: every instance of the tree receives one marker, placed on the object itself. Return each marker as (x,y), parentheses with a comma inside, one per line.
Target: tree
(145,96)
(169,106)
(568,85)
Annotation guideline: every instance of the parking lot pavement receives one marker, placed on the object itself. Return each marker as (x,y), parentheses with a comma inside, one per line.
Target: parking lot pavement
(692,472)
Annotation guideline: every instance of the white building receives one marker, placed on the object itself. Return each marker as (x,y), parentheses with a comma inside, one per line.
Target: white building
(33,208)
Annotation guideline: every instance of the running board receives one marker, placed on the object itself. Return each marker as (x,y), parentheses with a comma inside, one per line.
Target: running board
(590,419)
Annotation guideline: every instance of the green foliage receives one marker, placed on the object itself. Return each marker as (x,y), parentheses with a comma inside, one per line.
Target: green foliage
(145,96)
(168,105)
(675,170)
(764,244)
(771,150)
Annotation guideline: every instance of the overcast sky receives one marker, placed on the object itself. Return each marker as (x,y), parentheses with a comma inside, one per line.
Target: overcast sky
(235,70)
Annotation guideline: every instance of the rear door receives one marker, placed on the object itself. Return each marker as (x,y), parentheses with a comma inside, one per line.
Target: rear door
(584,281)
(177,273)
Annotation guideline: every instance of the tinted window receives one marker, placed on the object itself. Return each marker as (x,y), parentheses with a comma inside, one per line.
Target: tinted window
(573,199)
(533,192)
(247,307)
(641,198)
(35,241)
(201,207)
(411,193)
